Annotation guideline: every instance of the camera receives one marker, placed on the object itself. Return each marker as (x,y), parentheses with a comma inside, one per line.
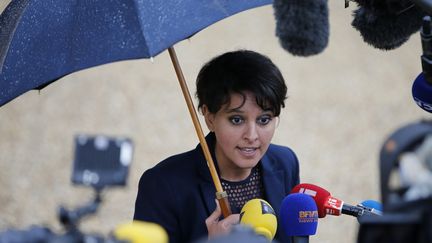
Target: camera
(99,162)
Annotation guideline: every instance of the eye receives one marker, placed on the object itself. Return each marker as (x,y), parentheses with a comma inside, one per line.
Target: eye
(264,120)
(236,120)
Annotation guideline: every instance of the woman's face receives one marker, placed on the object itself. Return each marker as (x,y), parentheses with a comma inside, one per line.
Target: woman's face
(243,134)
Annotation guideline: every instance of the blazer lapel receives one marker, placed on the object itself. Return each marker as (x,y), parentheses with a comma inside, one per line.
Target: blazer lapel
(275,190)
(273,181)
(208,189)
(208,193)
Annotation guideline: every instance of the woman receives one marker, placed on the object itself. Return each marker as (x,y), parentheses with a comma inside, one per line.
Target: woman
(240,94)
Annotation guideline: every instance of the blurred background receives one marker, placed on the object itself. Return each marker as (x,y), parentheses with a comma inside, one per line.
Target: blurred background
(342,104)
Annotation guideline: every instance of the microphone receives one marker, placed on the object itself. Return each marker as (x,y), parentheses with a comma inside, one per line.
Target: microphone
(422,86)
(426,5)
(422,92)
(371,206)
(302,26)
(299,217)
(140,231)
(326,203)
(317,193)
(259,215)
(387,24)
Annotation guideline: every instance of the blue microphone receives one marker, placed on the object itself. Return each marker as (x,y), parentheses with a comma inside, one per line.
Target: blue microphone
(371,207)
(422,92)
(299,217)
(422,86)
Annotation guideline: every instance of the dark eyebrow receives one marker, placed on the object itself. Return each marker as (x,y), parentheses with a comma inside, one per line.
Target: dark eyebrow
(237,110)
(234,110)
(268,110)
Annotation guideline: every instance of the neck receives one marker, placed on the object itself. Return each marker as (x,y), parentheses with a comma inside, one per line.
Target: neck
(235,175)
(230,171)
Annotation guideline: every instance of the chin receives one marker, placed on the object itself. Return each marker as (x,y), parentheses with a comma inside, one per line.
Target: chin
(247,164)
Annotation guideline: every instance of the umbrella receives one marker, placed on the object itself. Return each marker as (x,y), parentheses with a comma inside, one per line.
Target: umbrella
(42,41)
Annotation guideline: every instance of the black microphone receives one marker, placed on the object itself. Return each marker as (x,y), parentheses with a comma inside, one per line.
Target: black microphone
(387,24)
(422,86)
(359,210)
(302,26)
(371,207)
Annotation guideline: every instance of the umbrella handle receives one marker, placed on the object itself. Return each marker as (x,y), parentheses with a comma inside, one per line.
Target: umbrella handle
(222,198)
(221,195)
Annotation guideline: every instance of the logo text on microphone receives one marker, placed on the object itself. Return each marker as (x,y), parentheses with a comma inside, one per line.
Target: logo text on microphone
(308,216)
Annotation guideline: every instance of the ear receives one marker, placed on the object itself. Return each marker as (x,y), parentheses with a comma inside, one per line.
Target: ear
(209,117)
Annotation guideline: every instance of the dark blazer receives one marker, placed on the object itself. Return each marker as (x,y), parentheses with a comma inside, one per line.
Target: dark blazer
(179,194)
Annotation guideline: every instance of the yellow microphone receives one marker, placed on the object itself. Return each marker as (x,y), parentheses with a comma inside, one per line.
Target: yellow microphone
(141,232)
(259,215)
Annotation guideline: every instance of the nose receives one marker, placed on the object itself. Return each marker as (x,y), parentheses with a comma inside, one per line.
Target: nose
(251,132)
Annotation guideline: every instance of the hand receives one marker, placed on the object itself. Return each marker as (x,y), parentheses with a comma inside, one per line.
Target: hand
(217,227)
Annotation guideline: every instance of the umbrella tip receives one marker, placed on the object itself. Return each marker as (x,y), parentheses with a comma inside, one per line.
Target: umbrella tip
(151,59)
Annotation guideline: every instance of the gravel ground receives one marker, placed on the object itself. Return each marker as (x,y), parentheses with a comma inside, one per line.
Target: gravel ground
(342,104)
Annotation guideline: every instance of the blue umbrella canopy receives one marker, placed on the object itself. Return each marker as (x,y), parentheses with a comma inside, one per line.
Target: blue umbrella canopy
(42,41)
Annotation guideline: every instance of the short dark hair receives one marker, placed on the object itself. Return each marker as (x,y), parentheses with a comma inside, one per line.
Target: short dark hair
(238,72)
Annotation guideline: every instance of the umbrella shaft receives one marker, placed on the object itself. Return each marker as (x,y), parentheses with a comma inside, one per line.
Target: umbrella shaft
(223,202)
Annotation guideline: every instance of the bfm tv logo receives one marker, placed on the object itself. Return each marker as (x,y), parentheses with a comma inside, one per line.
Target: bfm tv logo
(308,216)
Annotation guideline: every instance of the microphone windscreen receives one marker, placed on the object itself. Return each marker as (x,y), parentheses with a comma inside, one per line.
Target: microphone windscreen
(319,194)
(259,215)
(422,93)
(384,29)
(299,215)
(391,6)
(141,232)
(302,26)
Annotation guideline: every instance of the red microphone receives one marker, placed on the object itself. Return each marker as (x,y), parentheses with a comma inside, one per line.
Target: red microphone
(327,204)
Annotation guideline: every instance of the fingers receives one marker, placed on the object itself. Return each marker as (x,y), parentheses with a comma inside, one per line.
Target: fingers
(229,221)
(217,227)
(214,217)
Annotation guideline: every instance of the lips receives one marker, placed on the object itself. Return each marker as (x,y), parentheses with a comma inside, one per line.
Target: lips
(248,151)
